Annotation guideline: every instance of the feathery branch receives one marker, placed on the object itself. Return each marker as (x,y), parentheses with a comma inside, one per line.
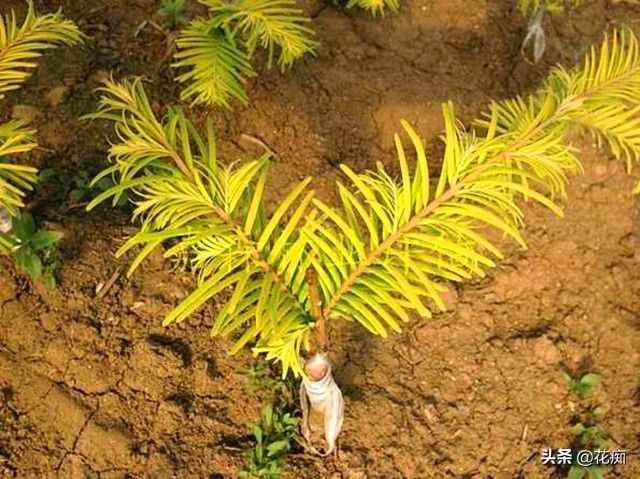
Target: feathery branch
(213,216)
(217,51)
(20,46)
(416,240)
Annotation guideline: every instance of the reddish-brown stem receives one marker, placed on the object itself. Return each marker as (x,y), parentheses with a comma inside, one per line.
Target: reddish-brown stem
(316,309)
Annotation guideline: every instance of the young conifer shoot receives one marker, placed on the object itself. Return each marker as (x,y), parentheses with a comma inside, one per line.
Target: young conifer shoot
(385,254)
(217,51)
(19,47)
(375,6)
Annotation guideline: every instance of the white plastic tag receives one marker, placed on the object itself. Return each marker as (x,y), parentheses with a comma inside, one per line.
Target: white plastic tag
(322,396)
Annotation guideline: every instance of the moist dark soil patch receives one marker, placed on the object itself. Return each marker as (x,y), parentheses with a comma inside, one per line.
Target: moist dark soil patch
(92,385)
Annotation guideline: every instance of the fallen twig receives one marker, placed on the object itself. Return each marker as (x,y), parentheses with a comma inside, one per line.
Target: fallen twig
(102,291)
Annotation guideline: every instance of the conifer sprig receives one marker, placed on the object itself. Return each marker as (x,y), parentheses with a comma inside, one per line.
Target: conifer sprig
(216,67)
(387,251)
(418,238)
(217,51)
(269,24)
(375,6)
(214,216)
(20,46)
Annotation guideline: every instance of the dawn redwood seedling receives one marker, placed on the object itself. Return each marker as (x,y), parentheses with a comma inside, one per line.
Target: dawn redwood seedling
(20,45)
(217,50)
(389,250)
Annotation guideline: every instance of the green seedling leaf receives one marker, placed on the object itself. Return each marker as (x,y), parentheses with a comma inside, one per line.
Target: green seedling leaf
(257,432)
(595,472)
(50,280)
(77,194)
(568,379)
(29,261)
(46,175)
(273,435)
(45,239)
(590,380)
(578,429)
(268,417)
(583,387)
(24,227)
(81,180)
(172,11)
(277,447)
(576,472)
(104,184)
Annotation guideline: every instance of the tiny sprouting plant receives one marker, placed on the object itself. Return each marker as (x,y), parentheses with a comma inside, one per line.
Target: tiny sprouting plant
(274,436)
(77,191)
(588,435)
(35,250)
(19,47)
(588,432)
(217,51)
(81,186)
(83,189)
(173,12)
(582,386)
(390,248)
(586,429)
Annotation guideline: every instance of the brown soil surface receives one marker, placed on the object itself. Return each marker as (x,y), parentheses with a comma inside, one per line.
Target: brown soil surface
(95,387)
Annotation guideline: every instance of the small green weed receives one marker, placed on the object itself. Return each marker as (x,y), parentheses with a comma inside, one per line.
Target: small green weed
(83,189)
(172,12)
(273,434)
(35,250)
(581,472)
(586,429)
(588,435)
(584,386)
